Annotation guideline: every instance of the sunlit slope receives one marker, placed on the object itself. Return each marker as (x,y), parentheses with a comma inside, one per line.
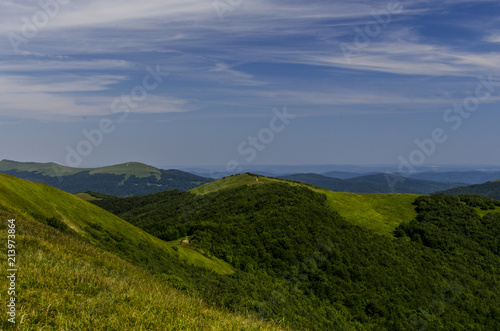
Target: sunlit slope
(48,204)
(232,182)
(65,283)
(380,212)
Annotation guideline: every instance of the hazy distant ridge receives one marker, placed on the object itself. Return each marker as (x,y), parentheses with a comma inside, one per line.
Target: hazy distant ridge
(127,179)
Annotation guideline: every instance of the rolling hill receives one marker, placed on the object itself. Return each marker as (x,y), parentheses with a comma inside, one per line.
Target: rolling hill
(381,212)
(46,169)
(67,212)
(258,249)
(81,267)
(377,183)
(294,249)
(128,179)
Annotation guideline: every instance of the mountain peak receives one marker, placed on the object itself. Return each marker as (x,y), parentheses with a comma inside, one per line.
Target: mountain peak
(137,169)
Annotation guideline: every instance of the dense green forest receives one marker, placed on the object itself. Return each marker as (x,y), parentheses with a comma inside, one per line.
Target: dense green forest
(298,261)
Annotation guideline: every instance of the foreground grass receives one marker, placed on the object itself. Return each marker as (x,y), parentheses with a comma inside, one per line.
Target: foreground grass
(65,283)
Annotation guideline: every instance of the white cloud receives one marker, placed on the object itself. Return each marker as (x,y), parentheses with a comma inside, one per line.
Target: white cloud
(222,73)
(494,38)
(112,38)
(29,65)
(61,98)
(59,84)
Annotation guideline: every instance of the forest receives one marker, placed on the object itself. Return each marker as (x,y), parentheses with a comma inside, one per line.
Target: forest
(298,261)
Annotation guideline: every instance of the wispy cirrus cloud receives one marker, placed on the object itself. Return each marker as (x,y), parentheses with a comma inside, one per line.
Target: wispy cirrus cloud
(114,40)
(493,38)
(51,65)
(60,98)
(264,54)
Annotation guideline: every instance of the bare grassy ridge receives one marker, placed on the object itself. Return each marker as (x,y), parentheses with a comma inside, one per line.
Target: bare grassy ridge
(137,169)
(65,283)
(47,169)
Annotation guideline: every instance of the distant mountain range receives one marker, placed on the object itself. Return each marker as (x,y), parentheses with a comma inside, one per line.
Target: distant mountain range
(488,190)
(467,177)
(135,179)
(127,179)
(446,174)
(344,174)
(376,183)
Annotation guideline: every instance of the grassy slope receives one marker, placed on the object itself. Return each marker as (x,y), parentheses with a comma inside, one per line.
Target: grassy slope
(86,197)
(379,212)
(66,284)
(231,182)
(482,212)
(24,197)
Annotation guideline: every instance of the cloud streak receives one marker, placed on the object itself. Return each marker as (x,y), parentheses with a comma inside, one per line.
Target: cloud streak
(60,99)
(91,50)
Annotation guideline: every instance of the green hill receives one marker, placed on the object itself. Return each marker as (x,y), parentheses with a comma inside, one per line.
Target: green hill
(81,267)
(274,250)
(381,212)
(298,260)
(139,170)
(67,212)
(127,179)
(233,182)
(44,169)
(66,283)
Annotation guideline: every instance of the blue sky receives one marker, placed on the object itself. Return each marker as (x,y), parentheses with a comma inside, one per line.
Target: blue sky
(226,67)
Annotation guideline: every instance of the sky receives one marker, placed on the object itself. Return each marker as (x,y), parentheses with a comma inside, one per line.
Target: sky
(240,82)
